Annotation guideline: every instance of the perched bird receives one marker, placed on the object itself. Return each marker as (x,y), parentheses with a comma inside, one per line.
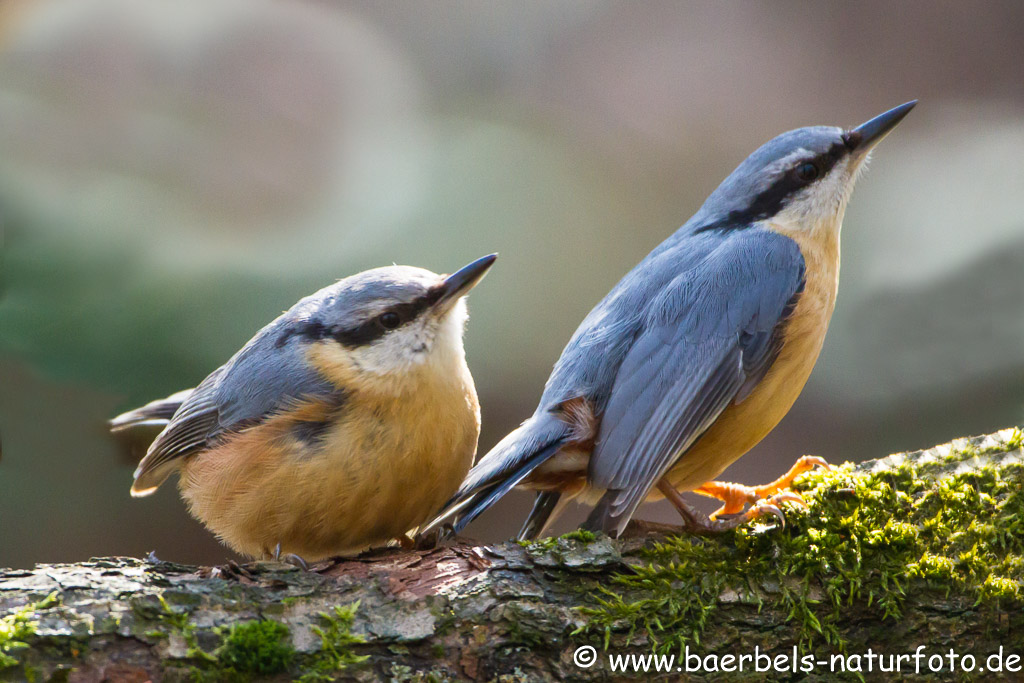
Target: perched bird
(344,423)
(696,354)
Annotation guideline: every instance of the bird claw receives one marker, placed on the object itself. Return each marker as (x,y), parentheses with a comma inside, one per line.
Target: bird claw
(768,507)
(290,558)
(296,561)
(765,508)
(809,462)
(804,463)
(433,538)
(442,533)
(788,497)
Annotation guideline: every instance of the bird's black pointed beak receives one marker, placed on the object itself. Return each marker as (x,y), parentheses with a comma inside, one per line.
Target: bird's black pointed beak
(466,278)
(868,134)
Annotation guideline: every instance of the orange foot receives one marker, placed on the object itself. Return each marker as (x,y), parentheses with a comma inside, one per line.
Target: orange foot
(696,522)
(737,496)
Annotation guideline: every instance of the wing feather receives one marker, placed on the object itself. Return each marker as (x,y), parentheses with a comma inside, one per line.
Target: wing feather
(260,380)
(708,339)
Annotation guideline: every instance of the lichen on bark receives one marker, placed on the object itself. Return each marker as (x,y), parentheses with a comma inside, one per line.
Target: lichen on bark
(914,549)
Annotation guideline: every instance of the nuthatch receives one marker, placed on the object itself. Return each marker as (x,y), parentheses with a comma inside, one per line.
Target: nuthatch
(344,423)
(696,354)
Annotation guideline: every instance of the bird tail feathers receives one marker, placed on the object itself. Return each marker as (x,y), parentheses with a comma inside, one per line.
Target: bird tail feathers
(503,467)
(154,413)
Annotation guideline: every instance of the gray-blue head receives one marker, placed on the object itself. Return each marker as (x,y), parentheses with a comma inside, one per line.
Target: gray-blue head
(382,323)
(801,179)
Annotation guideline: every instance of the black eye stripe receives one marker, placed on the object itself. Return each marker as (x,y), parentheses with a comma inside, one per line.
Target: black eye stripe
(366,332)
(771,200)
(823,163)
(308,329)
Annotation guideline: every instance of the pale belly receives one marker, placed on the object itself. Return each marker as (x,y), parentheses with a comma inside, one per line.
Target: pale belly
(377,473)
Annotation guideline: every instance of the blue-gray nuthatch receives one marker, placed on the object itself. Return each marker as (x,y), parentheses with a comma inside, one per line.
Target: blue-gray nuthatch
(696,354)
(344,423)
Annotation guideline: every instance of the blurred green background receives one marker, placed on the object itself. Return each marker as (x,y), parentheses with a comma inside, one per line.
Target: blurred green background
(173,175)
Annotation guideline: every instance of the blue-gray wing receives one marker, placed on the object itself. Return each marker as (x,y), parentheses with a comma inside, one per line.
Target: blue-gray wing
(706,340)
(264,377)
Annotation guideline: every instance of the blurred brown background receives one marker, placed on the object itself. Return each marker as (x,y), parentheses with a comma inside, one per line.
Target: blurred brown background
(173,175)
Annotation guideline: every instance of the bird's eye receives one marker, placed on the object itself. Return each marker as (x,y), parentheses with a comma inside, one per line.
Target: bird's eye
(807,172)
(389,320)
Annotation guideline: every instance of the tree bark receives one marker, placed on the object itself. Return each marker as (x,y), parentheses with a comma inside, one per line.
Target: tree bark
(516,613)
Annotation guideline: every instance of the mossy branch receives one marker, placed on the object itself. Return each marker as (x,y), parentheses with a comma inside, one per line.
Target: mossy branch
(917,549)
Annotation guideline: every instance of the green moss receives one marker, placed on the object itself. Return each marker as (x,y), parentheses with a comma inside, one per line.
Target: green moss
(336,641)
(181,622)
(260,648)
(256,647)
(546,545)
(936,568)
(864,537)
(999,588)
(1015,440)
(581,535)
(18,627)
(541,545)
(248,649)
